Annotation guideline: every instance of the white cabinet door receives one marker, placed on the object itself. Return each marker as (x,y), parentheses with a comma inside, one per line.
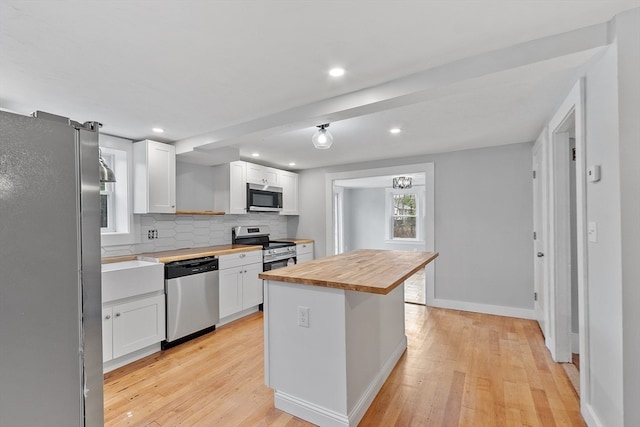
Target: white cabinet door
(251,285)
(304,252)
(289,184)
(107,334)
(304,258)
(230,291)
(258,174)
(138,324)
(154,178)
(237,188)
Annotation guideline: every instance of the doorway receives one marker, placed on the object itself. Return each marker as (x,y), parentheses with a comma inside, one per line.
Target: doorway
(360,208)
(565,284)
(369,213)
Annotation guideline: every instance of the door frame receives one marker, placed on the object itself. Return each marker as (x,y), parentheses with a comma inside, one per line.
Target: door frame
(558,237)
(429,211)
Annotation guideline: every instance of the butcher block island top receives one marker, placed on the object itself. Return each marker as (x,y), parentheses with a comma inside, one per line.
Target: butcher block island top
(364,270)
(190,253)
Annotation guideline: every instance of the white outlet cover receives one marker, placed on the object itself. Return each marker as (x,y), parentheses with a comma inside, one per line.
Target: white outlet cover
(303,316)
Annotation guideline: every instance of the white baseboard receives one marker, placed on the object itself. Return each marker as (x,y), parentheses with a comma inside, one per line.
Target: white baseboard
(325,417)
(309,411)
(129,358)
(589,415)
(498,310)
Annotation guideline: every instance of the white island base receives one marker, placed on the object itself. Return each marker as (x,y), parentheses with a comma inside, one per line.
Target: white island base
(329,372)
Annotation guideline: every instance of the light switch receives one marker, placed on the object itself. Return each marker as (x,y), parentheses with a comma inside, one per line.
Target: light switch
(592,231)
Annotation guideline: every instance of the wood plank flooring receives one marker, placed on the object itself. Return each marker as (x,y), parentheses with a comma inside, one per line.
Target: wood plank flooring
(460,369)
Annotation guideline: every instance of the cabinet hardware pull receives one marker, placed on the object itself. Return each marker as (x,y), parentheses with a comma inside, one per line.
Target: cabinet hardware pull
(117,314)
(107,317)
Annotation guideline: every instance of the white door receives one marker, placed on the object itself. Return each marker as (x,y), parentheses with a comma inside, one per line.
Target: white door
(538,236)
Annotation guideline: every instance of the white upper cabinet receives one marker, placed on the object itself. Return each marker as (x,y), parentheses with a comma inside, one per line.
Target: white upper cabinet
(289,184)
(230,188)
(258,174)
(154,177)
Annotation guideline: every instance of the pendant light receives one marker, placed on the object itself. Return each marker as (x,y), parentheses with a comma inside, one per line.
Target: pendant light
(322,139)
(106,174)
(402,182)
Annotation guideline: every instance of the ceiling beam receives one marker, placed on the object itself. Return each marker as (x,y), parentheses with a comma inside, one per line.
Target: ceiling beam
(411,89)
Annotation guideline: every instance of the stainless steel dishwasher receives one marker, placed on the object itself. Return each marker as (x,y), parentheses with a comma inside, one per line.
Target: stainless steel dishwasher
(192,288)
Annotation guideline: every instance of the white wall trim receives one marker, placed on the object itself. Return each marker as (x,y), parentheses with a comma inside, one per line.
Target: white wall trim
(498,310)
(309,411)
(589,415)
(575,343)
(561,345)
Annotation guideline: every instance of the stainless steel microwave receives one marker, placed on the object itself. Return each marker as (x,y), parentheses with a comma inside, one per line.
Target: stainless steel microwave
(264,198)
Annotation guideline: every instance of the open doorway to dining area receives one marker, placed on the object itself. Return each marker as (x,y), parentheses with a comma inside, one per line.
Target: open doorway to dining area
(389,208)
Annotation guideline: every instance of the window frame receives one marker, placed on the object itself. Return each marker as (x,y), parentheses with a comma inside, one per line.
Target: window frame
(125,226)
(389,214)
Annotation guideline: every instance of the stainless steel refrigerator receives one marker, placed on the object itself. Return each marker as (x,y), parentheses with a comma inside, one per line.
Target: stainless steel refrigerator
(50,296)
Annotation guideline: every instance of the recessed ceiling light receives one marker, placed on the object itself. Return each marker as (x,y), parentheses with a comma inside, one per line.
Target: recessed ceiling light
(158,130)
(255,154)
(336,72)
(292,164)
(395,130)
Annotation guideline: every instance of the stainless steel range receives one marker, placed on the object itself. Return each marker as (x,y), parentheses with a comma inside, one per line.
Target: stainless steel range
(274,254)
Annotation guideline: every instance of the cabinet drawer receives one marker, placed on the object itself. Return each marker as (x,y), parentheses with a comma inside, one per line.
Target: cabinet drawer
(238,259)
(304,248)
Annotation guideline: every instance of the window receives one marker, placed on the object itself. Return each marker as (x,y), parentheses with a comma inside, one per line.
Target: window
(118,225)
(403,215)
(107,198)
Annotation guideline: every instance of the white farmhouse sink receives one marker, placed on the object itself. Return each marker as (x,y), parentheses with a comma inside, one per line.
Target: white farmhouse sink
(130,278)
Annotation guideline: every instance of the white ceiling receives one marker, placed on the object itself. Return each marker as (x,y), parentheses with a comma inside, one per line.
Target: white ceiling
(253,75)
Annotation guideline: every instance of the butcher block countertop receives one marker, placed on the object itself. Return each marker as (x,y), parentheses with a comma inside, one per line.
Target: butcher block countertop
(109,260)
(296,241)
(364,270)
(189,253)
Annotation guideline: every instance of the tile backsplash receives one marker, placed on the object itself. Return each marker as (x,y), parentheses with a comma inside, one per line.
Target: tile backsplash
(190,231)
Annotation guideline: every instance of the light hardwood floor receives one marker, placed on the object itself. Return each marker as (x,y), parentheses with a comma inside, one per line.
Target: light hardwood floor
(460,368)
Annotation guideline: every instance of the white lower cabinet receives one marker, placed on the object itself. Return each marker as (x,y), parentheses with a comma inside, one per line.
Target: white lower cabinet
(132,325)
(240,286)
(304,252)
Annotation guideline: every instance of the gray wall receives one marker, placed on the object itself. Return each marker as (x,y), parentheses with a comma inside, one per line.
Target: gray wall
(483,222)
(612,135)
(365,221)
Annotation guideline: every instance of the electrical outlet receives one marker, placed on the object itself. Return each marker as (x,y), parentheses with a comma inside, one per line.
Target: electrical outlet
(303,316)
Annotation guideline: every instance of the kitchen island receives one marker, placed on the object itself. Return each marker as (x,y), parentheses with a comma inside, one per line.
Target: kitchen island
(334,330)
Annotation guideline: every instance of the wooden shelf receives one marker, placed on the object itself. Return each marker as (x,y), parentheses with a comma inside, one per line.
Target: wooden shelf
(199,213)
